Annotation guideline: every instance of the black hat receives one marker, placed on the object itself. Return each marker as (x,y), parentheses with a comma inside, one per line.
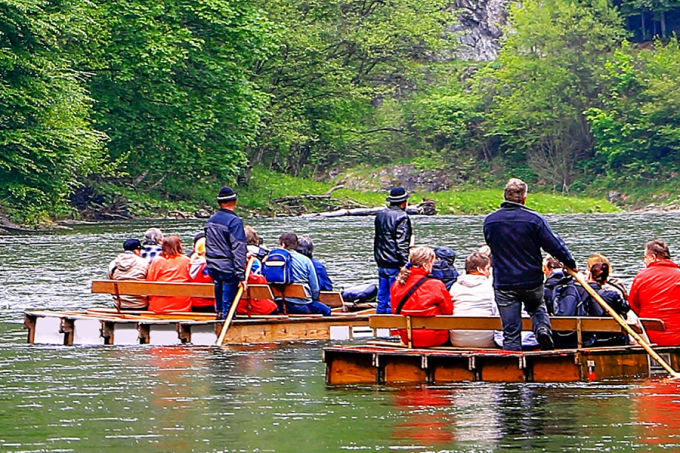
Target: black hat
(132,245)
(397,195)
(226,194)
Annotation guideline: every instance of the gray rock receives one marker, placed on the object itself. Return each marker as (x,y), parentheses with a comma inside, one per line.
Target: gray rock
(479,28)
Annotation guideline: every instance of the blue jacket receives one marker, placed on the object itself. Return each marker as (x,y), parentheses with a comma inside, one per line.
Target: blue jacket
(516,235)
(303,272)
(325,283)
(225,246)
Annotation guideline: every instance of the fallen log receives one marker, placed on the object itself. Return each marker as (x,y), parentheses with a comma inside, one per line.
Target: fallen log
(427,207)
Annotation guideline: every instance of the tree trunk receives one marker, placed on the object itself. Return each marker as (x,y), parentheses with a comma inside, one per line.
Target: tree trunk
(644,29)
(663,24)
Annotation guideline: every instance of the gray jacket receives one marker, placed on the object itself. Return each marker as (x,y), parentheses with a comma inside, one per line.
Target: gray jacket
(128,266)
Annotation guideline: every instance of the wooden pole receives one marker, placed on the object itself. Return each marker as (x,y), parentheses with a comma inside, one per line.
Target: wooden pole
(234,304)
(623,323)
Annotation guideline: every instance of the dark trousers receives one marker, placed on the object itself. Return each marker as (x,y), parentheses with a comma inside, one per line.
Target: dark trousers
(386,277)
(509,303)
(225,292)
(313,307)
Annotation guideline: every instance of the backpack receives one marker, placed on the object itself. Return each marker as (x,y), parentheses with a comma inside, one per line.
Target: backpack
(566,299)
(443,268)
(360,293)
(277,267)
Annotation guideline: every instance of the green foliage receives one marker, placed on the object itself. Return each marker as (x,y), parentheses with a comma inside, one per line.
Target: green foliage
(637,129)
(47,143)
(545,78)
(175,91)
(339,62)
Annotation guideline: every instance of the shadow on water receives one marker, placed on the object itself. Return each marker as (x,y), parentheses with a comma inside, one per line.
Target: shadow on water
(273,398)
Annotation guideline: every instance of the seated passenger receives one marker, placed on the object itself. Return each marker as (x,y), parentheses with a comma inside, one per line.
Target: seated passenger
(571,299)
(153,238)
(198,273)
(552,269)
(170,266)
(610,283)
(414,294)
(197,236)
(303,272)
(306,247)
(443,267)
(256,306)
(473,295)
(656,291)
(129,266)
(255,249)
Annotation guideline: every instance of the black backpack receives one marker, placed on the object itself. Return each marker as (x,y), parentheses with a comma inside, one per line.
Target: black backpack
(566,299)
(443,268)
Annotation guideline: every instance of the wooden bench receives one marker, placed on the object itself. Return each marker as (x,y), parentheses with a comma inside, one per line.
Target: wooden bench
(448,322)
(207,290)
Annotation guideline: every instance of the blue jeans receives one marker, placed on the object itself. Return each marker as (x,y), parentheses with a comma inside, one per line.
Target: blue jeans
(225,292)
(313,307)
(386,277)
(509,303)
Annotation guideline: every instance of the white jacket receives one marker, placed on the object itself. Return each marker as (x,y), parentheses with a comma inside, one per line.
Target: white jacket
(472,296)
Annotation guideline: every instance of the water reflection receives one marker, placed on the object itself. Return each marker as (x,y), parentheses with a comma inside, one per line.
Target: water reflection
(658,405)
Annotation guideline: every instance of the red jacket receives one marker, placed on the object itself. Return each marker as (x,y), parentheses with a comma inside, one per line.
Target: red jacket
(198,274)
(173,269)
(430,299)
(656,294)
(256,306)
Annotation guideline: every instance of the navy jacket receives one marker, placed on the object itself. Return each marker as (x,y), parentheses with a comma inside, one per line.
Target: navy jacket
(516,235)
(325,283)
(225,246)
(392,237)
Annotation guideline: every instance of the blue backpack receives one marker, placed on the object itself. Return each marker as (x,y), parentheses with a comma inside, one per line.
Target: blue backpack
(277,267)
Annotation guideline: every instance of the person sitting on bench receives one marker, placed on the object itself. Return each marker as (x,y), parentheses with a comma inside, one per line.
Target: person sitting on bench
(170,266)
(306,247)
(130,266)
(414,294)
(302,271)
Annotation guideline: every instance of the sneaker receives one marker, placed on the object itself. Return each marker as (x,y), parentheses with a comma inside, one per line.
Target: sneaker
(545,339)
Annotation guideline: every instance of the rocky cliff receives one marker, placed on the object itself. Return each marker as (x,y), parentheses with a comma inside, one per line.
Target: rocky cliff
(479,28)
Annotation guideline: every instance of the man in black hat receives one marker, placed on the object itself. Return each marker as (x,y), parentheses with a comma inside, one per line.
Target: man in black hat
(225,251)
(391,244)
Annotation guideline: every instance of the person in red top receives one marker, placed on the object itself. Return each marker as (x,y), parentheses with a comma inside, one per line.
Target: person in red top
(656,293)
(429,298)
(170,266)
(199,274)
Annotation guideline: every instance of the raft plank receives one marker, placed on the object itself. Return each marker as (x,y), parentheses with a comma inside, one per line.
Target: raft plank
(556,368)
(402,370)
(351,369)
(144,288)
(454,370)
(500,369)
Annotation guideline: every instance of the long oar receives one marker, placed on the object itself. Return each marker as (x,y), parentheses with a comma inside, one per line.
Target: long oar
(623,323)
(234,304)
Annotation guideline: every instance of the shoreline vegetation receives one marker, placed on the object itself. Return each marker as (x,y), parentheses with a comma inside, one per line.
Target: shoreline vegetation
(273,194)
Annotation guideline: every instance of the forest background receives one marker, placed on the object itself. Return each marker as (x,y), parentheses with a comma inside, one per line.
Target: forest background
(138,106)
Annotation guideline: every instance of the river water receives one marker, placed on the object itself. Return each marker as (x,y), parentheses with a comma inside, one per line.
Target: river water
(273,398)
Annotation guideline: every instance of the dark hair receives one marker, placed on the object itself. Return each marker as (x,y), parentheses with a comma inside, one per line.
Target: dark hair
(599,272)
(172,246)
(305,246)
(289,240)
(552,263)
(658,249)
(476,260)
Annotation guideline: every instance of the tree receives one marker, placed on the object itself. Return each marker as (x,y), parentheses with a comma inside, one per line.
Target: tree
(338,65)
(174,86)
(545,77)
(47,142)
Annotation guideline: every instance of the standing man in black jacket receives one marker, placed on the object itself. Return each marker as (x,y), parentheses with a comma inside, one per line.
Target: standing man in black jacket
(225,251)
(516,235)
(391,244)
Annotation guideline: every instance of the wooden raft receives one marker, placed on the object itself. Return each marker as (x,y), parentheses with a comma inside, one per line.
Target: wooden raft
(385,363)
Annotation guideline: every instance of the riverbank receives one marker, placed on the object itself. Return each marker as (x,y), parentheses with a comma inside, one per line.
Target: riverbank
(273,194)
